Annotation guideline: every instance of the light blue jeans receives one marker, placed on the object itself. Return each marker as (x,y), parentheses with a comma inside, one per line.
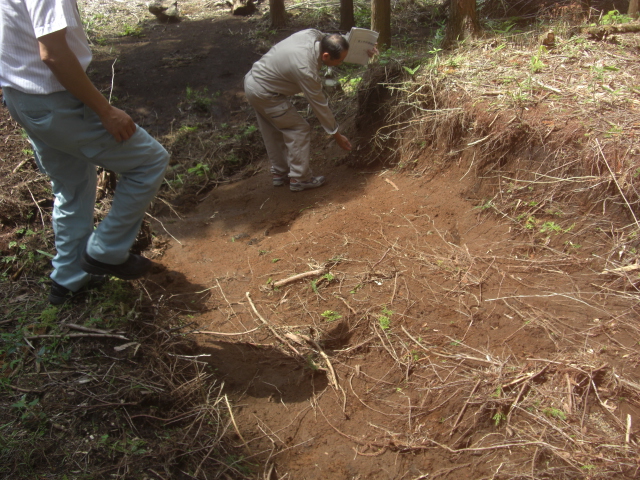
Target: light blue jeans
(69,141)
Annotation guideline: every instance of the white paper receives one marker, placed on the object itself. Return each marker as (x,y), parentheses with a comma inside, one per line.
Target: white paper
(360,41)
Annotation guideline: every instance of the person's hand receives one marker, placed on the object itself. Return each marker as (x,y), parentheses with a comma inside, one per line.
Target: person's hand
(373,52)
(342,141)
(118,123)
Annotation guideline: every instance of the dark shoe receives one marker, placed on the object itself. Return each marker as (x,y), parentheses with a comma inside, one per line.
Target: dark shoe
(313,182)
(134,267)
(59,294)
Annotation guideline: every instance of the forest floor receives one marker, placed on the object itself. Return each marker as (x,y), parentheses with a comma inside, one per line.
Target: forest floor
(436,331)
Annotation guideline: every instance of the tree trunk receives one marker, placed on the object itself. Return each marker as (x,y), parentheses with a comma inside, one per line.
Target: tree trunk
(381,22)
(462,17)
(633,8)
(243,7)
(346,15)
(276,10)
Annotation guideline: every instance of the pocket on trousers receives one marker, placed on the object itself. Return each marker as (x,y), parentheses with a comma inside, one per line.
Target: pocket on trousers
(38,119)
(284,116)
(277,110)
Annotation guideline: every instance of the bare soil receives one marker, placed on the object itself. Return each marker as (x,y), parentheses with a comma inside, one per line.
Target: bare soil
(437,341)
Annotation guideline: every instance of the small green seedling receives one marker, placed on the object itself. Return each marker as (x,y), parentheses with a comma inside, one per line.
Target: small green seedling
(330,315)
(499,417)
(384,319)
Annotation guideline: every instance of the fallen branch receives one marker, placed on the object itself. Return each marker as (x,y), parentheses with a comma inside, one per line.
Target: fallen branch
(403,447)
(548,87)
(626,268)
(454,357)
(346,304)
(276,334)
(20,165)
(391,183)
(206,332)
(77,335)
(235,425)
(464,408)
(600,32)
(333,378)
(24,390)
(628,383)
(86,329)
(299,276)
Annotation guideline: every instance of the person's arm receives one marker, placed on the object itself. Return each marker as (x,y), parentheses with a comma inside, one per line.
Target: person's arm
(56,54)
(312,89)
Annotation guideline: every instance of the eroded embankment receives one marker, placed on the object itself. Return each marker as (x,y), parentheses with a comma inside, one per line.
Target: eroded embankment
(472,315)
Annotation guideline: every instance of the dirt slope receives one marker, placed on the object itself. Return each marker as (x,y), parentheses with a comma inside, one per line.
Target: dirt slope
(416,247)
(379,225)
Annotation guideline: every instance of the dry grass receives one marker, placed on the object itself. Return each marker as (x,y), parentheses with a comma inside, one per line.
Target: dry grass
(77,388)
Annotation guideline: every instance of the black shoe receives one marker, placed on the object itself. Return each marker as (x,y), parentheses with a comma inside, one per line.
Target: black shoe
(134,267)
(59,294)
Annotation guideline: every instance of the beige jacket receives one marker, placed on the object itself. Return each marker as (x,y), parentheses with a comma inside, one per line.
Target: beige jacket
(291,67)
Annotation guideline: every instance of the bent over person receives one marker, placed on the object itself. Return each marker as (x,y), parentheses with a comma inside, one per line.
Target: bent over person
(43,57)
(291,67)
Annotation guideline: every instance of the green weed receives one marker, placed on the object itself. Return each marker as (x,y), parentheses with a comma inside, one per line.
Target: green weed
(30,411)
(555,413)
(486,205)
(132,31)
(384,319)
(200,100)
(499,417)
(350,86)
(411,71)
(330,315)
(310,364)
(553,227)
(201,170)
(536,64)
(615,17)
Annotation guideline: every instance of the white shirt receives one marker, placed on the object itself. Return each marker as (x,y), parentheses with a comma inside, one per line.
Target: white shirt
(291,67)
(22,22)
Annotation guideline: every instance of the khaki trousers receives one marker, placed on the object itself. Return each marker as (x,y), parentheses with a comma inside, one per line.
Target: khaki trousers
(286,134)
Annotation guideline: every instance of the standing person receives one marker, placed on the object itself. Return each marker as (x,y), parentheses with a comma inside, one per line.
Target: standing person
(44,54)
(291,67)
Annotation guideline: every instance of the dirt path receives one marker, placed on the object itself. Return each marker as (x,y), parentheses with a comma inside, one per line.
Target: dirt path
(149,75)
(411,246)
